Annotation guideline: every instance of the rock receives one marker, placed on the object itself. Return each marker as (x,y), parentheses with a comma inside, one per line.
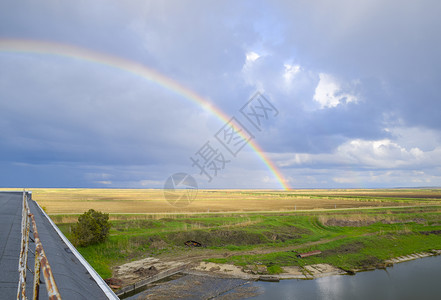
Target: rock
(115,287)
(261,269)
(269,278)
(150,271)
(249,269)
(114,283)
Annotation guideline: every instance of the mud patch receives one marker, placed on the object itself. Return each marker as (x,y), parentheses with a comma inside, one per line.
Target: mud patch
(369,262)
(437,232)
(222,237)
(150,271)
(366,222)
(199,287)
(348,223)
(343,249)
(217,237)
(242,292)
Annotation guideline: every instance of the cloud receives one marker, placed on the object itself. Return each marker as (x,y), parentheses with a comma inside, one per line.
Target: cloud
(290,71)
(381,154)
(104,182)
(328,92)
(251,57)
(356,86)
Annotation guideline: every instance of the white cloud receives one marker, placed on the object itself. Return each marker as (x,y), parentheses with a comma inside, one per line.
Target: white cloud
(251,57)
(90,114)
(329,92)
(369,154)
(104,182)
(380,153)
(251,70)
(376,178)
(290,71)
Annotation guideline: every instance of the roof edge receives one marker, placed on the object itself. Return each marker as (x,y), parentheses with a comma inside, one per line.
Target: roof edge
(100,281)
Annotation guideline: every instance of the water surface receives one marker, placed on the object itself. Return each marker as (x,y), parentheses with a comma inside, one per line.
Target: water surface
(417,279)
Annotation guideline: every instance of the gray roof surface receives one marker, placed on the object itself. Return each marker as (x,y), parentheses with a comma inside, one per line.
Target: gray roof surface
(74,281)
(10,232)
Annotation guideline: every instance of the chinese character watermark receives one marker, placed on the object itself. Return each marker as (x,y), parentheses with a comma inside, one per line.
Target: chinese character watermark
(209,161)
(257,110)
(233,136)
(180,189)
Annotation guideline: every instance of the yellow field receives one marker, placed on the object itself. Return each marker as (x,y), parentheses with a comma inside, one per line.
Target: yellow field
(151,201)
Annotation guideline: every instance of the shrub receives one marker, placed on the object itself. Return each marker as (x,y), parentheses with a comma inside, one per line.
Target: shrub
(92,228)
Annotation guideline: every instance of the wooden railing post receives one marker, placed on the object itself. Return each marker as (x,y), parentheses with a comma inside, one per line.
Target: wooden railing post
(23,260)
(41,261)
(36,276)
(51,286)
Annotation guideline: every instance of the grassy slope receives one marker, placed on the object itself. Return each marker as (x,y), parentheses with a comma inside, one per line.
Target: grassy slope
(380,234)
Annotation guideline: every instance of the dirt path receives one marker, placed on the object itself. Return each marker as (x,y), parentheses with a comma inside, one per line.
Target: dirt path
(398,205)
(199,255)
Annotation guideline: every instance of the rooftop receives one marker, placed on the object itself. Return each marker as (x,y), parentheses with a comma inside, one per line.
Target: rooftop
(74,277)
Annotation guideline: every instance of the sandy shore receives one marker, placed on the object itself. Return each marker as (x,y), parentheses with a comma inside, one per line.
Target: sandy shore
(135,271)
(260,272)
(292,272)
(413,256)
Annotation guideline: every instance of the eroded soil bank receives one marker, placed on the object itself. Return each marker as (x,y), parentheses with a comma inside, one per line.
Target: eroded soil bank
(207,280)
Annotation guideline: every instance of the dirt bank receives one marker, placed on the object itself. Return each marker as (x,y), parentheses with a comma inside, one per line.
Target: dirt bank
(133,272)
(260,272)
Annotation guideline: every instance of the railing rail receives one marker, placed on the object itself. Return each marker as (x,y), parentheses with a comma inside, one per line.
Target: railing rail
(23,260)
(41,261)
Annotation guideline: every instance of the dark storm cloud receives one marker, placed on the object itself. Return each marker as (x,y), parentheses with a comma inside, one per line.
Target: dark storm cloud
(343,74)
(64,114)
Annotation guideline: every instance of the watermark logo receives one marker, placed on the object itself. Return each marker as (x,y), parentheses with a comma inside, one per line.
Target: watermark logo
(233,136)
(180,189)
(216,154)
(258,110)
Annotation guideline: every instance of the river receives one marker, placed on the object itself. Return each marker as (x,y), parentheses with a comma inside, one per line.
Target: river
(417,279)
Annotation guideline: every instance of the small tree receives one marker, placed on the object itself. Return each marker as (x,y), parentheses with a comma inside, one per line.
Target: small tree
(92,228)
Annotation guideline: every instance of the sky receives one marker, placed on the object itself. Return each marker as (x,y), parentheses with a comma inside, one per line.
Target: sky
(352,91)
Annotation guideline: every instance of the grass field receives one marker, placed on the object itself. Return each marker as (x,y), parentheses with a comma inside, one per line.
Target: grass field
(128,201)
(349,239)
(354,229)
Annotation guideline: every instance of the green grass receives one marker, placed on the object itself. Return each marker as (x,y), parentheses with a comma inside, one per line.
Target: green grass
(385,233)
(275,269)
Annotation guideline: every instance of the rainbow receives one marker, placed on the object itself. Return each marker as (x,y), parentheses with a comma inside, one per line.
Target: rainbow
(64,50)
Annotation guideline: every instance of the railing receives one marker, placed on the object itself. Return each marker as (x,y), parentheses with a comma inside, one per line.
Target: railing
(41,262)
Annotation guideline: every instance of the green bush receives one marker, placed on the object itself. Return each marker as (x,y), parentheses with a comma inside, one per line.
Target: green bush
(92,228)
